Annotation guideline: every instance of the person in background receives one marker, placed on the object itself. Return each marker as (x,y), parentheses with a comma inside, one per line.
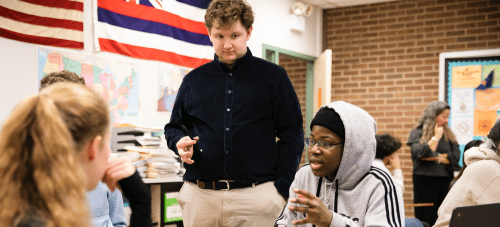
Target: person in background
(339,186)
(480,181)
(470,144)
(106,205)
(245,117)
(61,76)
(387,147)
(435,155)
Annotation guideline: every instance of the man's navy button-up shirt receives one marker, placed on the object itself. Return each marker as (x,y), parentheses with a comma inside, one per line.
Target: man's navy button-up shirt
(238,114)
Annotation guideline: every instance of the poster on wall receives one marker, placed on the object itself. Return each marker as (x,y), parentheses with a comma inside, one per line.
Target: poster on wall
(169,80)
(473,91)
(470,83)
(116,81)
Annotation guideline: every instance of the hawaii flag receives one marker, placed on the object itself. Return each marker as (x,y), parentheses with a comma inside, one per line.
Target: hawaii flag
(54,23)
(171,31)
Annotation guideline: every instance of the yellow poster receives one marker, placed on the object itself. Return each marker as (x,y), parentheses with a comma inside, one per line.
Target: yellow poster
(483,121)
(488,100)
(466,76)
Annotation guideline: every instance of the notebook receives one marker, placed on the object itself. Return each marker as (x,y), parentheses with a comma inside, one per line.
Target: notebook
(485,215)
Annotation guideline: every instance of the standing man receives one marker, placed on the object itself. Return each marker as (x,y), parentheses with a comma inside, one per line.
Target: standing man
(236,107)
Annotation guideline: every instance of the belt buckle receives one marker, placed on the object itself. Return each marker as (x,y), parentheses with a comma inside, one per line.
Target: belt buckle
(227,183)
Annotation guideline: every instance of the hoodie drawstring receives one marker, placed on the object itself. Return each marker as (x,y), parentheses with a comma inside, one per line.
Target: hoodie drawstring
(336,193)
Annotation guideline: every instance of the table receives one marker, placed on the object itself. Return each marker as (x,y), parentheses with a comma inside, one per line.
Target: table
(158,188)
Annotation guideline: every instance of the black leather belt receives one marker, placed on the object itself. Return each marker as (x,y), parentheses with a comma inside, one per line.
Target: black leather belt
(221,184)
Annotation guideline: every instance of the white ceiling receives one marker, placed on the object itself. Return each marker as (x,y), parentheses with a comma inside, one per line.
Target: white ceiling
(328,4)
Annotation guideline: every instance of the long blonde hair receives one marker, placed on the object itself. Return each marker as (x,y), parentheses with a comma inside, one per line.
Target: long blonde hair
(428,121)
(38,144)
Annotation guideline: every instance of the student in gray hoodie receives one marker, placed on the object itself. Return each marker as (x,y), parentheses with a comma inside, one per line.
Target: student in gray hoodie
(339,186)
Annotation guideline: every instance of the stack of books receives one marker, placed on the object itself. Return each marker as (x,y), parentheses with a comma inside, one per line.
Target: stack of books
(149,154)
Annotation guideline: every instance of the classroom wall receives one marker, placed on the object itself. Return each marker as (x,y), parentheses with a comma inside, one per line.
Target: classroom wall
(296,70)
(271,26)
(386,57)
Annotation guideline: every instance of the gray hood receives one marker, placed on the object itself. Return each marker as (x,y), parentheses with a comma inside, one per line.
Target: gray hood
(483,152)
(360,144)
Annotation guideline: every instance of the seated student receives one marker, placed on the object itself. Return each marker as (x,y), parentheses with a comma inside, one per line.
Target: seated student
(339,187)
(107,207)
(61,149)
(53,148)
(386,155)
(480,181)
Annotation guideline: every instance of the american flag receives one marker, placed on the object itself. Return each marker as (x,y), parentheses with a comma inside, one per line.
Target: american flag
(171,31)
(53,23)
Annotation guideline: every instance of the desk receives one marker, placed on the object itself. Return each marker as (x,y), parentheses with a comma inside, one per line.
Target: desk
(158,188)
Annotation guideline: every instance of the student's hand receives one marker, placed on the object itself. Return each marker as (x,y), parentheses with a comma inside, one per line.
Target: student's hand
(118,169)
(185,148)
(393,160)
(316,211)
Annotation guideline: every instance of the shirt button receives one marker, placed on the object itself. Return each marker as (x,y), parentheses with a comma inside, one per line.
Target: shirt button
(229,92)
(227,152)
(227,129)
(228,109)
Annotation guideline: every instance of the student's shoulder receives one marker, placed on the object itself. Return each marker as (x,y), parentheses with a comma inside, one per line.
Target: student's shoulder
(303,170)
(478,168)
(380,177)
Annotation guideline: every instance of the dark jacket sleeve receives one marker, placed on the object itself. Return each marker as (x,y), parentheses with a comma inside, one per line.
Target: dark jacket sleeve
(172,133)
(288,128)
(139,197)
(454,157)
(418,150)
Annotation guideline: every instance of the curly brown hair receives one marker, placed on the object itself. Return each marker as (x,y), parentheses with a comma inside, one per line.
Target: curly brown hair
(61,76)
(227,12)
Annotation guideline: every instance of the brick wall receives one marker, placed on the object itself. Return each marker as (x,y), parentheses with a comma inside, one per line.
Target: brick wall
(296,70)
(386,57)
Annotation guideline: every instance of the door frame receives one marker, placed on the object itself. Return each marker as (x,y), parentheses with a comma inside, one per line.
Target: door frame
(271,53)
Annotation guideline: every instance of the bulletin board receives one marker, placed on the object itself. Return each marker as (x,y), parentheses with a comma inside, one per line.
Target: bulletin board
(470,83)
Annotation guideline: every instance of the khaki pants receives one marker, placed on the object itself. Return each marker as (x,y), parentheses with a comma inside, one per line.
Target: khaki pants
(247,207)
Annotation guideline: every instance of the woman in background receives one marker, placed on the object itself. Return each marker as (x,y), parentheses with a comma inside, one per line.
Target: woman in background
(53,148)
(435,155)
(480,181)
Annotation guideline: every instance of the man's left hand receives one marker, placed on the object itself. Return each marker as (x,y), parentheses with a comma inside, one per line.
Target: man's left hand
(316,211)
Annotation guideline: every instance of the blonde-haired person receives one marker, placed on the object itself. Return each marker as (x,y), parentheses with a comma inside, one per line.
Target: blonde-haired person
(435,155)
(480,181)
(54,147)
(106,205)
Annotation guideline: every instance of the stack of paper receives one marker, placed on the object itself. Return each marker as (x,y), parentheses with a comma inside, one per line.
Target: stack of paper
(157,162)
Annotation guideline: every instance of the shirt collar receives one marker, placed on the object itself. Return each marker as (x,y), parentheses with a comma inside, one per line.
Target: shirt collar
(239,62)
